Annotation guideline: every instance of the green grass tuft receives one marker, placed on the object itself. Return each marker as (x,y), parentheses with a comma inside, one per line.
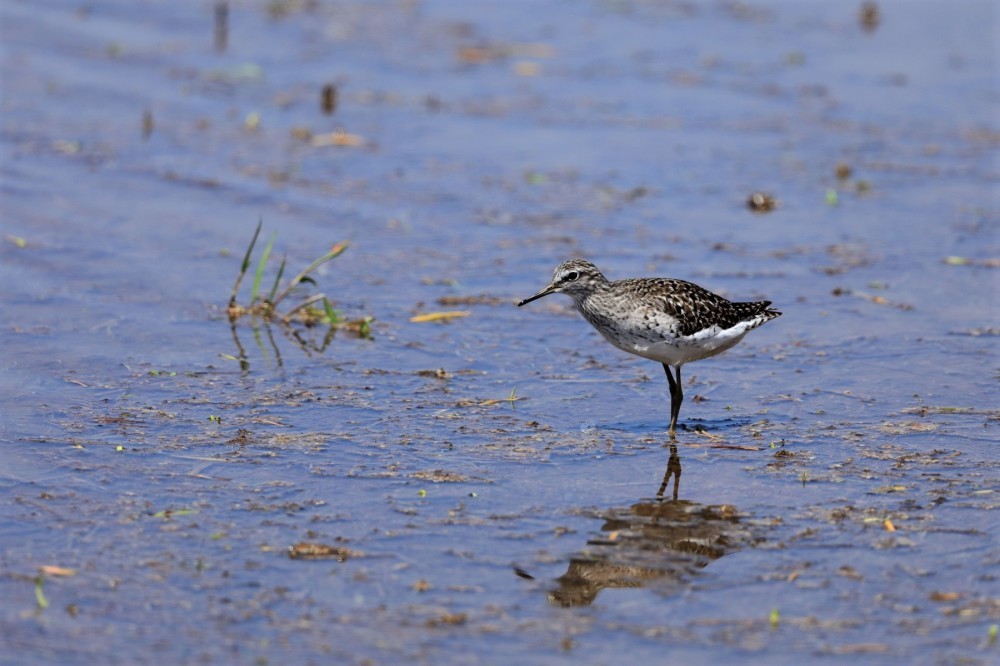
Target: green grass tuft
(313,310)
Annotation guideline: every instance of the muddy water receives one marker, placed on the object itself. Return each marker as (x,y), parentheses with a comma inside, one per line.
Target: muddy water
(834,495)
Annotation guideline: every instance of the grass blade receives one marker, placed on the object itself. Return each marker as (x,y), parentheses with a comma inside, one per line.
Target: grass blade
(246,262)
(331,314)
(260,268)
(43,603)
(274,287)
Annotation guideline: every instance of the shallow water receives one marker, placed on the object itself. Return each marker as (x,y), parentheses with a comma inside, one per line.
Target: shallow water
(838,477)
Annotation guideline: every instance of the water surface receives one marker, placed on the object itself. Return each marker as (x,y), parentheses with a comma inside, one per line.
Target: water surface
(838,477)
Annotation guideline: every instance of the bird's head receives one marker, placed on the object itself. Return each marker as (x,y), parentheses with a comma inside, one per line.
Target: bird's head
(575,277)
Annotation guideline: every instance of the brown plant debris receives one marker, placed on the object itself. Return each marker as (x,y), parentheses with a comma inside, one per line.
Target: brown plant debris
(305,550)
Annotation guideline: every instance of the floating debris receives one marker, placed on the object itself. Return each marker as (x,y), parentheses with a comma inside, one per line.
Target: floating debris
(527,68)
(480,55)
(440,373)
(924,410)
(448,619)
(976,332)
(244,73)
(869,17)
(480,299)
(847,571)
(242,438)
(965,261)
(885,490)
(512,398)
(440,476)
(252,122)
(439,316)
(328,99)
(305,550)
(862,648)
(147,124)
(871,298)
(907,427)
(759,202)
(340,139)
(167,514)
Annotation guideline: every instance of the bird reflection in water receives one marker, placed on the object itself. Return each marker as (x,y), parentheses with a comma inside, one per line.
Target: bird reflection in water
(661,542)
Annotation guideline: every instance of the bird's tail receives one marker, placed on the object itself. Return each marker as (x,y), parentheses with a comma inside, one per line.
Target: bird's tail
(757,312)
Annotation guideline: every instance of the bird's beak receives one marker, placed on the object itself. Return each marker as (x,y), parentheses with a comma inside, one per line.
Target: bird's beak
(551,289)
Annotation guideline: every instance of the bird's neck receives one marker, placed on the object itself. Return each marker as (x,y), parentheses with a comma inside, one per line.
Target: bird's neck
(586,302)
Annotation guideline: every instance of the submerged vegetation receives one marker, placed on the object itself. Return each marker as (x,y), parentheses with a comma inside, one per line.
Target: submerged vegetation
(314,310)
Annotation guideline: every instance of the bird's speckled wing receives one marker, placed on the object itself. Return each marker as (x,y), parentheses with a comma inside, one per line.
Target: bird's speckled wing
(695,308)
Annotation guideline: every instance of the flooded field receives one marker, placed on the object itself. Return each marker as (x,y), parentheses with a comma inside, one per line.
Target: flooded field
(445,477)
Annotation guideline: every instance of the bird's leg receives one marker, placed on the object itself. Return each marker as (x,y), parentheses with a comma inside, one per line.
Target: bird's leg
(676,395)
(677,399)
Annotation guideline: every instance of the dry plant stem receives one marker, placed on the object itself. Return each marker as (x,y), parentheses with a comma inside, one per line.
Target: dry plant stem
(337,250)
(301,306)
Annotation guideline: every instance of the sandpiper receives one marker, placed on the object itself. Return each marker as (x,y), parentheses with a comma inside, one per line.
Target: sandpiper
(666,320)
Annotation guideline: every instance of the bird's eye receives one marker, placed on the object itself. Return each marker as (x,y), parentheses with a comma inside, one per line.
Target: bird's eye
(571,276)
